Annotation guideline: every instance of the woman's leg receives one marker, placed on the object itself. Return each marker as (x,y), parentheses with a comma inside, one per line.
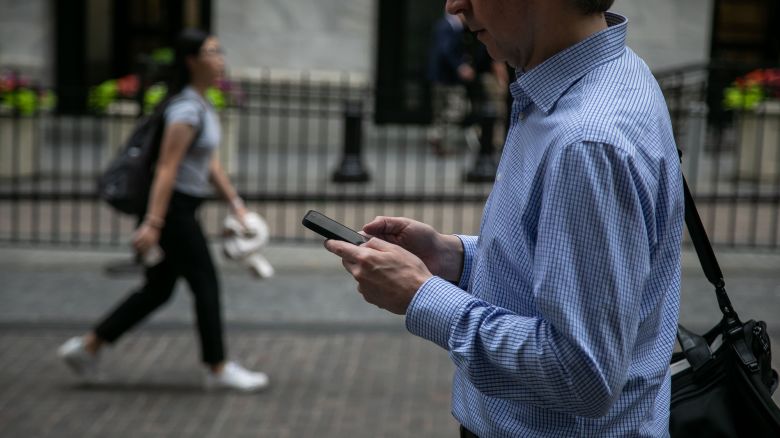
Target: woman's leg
(159,286)
(202,278)
(80,352)
(198,269)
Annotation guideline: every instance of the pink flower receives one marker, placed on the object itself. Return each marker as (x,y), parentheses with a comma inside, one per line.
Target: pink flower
(128,85)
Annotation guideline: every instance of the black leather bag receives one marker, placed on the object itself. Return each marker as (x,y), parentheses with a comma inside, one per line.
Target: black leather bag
(722,381)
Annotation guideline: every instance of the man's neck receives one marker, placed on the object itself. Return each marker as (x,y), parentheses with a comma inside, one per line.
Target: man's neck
(562,32)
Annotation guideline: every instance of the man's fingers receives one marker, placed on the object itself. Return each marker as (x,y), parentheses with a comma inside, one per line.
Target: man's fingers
(343,249)
(376,226)
(379,244)
(352,252)
(365,291)
(385,225)
(350,266)
(335,246)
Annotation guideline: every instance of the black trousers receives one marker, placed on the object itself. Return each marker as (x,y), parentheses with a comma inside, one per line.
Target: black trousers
(186,255)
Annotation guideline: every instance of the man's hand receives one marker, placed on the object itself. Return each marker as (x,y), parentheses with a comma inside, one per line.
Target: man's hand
(441,253)
(388,276)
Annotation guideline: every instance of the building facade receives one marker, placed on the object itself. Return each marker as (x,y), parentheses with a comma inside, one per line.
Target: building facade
(82,42)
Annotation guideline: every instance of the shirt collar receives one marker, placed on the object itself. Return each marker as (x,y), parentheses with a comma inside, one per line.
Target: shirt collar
(546,83)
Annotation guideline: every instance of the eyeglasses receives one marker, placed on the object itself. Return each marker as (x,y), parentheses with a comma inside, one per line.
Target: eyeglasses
(214,51)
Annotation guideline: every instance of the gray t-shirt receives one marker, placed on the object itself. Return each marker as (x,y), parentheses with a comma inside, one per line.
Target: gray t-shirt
(189,107)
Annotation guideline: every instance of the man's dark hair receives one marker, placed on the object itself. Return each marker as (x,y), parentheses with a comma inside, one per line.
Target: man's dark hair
(593,6)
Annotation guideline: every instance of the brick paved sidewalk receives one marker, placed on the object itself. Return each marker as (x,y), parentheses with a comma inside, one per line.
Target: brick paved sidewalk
(338,366)
(348,383)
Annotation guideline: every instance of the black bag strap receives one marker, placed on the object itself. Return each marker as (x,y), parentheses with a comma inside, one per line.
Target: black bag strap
(696,348)
(709,262)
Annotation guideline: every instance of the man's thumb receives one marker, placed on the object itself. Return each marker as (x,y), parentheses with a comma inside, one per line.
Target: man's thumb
(378,244)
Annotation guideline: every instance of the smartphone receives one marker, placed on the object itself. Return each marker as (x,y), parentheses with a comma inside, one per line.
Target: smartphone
(330,229)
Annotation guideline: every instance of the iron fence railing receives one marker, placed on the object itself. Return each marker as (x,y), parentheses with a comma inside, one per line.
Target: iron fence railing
(731,157)
(303,142)
(293,144)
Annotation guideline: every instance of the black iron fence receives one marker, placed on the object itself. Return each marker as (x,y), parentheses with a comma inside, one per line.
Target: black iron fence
(731,152)
(294,143)
(309,141)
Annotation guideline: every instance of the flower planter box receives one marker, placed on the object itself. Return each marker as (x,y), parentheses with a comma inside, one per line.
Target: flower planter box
(120,120)
(118,129)
(18,147)
(759,143)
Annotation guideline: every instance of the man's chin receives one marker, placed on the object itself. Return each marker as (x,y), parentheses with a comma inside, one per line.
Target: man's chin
(495,54)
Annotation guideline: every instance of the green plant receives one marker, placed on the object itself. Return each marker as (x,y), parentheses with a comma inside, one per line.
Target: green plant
(153,96)
(21,96)
(156,93)
(101,96)
(748,91)
(217,98)
(104,94)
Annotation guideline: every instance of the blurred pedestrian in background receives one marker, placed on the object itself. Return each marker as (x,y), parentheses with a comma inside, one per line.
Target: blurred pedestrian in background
(170,230)
(487,93)
(449,71)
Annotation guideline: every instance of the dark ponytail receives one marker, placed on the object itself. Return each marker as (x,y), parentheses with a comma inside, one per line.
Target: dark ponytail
(188,43)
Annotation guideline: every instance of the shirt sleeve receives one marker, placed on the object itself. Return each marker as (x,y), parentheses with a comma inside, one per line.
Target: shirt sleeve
(591,262)
(183,111)
(469,249)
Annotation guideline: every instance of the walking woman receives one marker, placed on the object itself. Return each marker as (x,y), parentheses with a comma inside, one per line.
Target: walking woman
(187,164)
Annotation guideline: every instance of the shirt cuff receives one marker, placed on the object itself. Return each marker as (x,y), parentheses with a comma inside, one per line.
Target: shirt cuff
(469,249)
(433,310)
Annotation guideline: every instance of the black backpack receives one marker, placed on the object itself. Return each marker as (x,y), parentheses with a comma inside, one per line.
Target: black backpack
(126,183)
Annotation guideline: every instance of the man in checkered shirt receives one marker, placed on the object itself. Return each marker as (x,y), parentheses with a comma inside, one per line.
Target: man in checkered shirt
(560,317)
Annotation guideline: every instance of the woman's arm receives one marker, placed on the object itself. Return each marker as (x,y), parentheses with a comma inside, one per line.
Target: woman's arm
(226,190)
(176,139)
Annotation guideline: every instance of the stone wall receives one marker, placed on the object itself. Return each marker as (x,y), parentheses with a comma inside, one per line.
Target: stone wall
(295,35)
(668,33)
(27,37)
(340,35)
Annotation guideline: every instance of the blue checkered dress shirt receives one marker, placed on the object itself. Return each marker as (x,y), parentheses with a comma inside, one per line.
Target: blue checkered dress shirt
(564,320)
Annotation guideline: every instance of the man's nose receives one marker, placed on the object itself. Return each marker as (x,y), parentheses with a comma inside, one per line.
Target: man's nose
(454,7)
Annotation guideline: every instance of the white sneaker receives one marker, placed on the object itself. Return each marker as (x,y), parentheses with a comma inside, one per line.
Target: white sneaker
(234,376)
(83,363)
